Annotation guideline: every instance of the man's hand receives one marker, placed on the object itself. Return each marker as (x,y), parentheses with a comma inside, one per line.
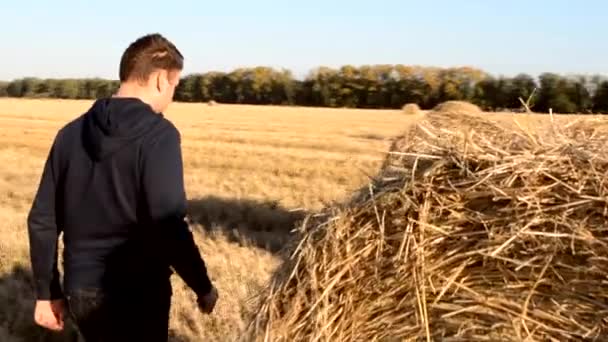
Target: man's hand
(50,313)
(207,302)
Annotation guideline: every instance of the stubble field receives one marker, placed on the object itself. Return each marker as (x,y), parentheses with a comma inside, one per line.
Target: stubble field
(250,171)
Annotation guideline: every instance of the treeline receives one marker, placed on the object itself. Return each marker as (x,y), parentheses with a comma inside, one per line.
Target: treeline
(376,86)
(59,88)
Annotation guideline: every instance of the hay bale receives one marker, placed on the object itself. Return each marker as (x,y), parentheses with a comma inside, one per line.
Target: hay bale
(501,235)
(411,109)
(457,107)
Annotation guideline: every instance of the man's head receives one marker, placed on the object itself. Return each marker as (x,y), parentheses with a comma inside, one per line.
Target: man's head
(150,69)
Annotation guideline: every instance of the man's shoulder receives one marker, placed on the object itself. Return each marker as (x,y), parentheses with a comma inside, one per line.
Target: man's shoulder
(163,131)
(164,138)
(169,126)
(70,130)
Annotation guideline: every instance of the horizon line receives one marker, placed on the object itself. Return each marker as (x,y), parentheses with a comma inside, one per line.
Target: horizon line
(303,75)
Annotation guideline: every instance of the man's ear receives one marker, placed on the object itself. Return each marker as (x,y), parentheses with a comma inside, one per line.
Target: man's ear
(157,81)
(164,78)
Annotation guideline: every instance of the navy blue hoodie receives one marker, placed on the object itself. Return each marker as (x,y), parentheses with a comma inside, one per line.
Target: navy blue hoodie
(113,184)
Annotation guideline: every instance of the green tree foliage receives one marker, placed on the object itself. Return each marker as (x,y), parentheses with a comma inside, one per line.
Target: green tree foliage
(490,93)
(558,93)
(69,89)
(577,89)
(366,86)
(504,93)
(15,88)
(185,90)
(521,87)
(31,87)
(600,99)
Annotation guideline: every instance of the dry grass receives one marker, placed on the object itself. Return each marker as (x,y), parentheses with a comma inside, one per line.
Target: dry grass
(246,169)
(457,107)
(474,231)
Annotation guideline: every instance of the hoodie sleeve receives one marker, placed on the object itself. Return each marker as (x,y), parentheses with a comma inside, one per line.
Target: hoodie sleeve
(163,186)
(43,232)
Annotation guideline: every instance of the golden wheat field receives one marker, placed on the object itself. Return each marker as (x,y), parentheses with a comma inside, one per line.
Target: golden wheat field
(250,172)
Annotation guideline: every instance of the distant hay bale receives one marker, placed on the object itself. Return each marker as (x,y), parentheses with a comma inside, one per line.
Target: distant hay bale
(457,107)
(411,109)
(473,231)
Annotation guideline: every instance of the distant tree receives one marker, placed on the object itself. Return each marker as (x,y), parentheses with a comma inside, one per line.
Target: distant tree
(600,98)
(366,86)
(303,92)
(30,86)
(243,91)
(262,85)
(578,93)
(224,88)
(45,88)
(594,82)
(15,88)
(562,104)
(3,89)
(106,88)
(288,86)
(351,84)
(408,85)
(459,83)
(554,94)
(200,88)
(185,88)
(521,86)
(376,86)
(93,88)
(67,89)
(490,93)
(432,77)
(325,87)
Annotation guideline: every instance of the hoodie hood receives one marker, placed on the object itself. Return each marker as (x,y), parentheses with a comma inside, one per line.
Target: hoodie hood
(113,123)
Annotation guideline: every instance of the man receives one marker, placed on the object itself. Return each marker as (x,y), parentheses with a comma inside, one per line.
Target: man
(113,185)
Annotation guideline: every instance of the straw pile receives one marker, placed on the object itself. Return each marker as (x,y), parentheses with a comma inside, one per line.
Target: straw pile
(473,231)
(457,107)
(411,109)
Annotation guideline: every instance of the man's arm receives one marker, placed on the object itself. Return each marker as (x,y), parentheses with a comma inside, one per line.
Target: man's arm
(44,233)
(163,187)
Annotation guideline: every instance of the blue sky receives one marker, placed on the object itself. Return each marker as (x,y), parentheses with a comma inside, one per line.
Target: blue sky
(64,38)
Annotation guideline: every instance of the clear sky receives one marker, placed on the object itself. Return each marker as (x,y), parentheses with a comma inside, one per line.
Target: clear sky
(68,38)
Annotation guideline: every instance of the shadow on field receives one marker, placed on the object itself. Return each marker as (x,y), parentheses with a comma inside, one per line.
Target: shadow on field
(17,300)
(265,224)
(17,311)
(369,136)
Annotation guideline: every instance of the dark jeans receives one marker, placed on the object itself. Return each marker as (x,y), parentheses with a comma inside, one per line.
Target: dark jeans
(142,316)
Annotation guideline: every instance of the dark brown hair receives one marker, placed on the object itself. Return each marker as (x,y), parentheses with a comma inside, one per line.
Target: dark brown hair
(148,54)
